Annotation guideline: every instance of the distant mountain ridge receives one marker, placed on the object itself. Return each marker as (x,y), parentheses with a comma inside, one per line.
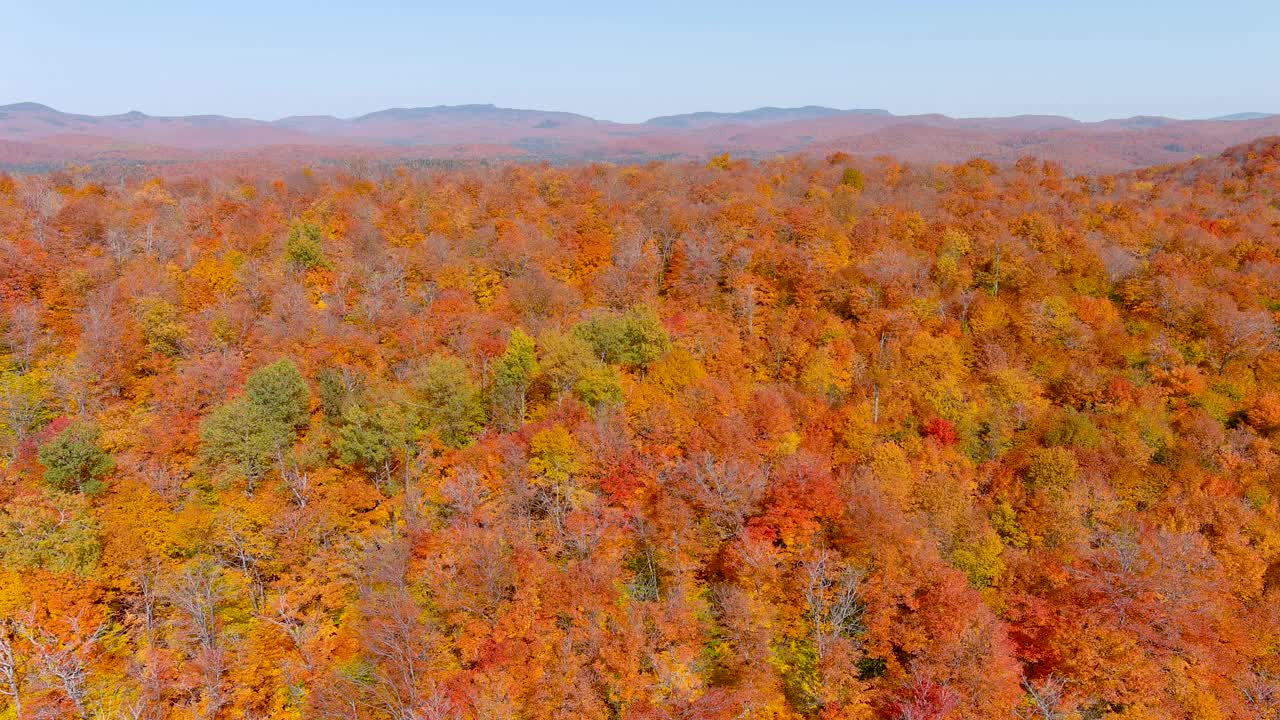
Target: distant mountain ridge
(1245,116)
(758,116)
(36,135)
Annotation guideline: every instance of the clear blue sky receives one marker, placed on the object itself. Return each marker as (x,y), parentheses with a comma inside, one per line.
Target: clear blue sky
(1088,59)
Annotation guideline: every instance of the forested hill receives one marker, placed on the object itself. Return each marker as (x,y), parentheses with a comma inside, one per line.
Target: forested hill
(35,137)
(809,437)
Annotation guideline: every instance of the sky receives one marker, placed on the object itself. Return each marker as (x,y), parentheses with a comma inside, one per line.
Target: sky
(1087,59)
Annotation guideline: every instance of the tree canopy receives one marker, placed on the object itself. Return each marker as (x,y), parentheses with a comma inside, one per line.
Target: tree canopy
(804,437)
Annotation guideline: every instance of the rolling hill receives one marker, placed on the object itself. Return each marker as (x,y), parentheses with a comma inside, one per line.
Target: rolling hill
(34,136)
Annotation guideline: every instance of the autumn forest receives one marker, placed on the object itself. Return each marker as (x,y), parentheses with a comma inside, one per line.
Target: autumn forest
(805,437)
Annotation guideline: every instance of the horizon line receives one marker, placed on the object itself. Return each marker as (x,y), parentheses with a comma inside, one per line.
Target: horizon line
(34,105)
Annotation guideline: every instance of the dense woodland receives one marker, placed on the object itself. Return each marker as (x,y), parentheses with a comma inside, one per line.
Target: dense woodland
(800,438)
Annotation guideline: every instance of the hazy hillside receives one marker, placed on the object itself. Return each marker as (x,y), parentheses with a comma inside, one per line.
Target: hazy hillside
(486,132)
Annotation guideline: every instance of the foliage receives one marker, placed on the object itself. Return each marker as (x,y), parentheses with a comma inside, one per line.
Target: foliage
(599,386)
(24,408)
(512,376)
(1074,430)
(304,248)
(634,339)
(1052,467)
(73,461)
(554,456)
(788,438)
(162,326)
(373,434)
(451,403)
(56,533)
(853,177)
(252,431)
(246,436)
(280,393)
